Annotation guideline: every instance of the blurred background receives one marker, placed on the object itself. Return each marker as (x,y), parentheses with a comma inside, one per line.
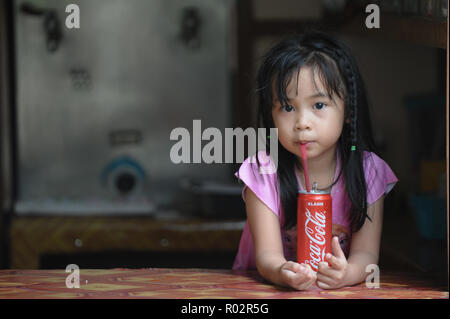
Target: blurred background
(86,115)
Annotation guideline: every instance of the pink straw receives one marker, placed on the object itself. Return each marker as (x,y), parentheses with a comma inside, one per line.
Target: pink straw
(305,166)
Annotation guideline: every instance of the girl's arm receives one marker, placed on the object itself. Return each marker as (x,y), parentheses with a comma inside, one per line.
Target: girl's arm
(270,261)
(365,245)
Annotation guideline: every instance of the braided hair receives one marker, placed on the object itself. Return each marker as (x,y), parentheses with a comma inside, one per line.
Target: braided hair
(339,72)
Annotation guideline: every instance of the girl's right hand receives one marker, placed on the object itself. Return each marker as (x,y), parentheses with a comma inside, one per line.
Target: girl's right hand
(300,277)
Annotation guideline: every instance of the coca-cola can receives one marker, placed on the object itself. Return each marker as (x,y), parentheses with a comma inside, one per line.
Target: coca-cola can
(314,227)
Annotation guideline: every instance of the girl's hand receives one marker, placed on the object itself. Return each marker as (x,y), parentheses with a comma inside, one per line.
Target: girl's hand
(334,276)
(300,277)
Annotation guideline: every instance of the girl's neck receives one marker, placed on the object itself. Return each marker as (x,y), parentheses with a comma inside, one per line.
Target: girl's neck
(321,170)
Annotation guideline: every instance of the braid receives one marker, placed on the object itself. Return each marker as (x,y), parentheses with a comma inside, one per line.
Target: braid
(352,95)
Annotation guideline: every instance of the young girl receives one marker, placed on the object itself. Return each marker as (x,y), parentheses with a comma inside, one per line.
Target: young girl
(310,89)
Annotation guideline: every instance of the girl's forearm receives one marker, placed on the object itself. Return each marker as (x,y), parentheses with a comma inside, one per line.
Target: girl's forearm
(269,265)
(356,271)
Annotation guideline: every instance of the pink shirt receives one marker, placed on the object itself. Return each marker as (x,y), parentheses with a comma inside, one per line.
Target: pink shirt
(379,178)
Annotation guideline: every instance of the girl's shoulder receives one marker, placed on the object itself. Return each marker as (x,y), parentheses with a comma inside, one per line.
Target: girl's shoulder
(261,179)
(380,179)
(260,163)
(373,161)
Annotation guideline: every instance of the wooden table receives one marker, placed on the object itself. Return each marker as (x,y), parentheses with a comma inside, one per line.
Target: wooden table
(163,283)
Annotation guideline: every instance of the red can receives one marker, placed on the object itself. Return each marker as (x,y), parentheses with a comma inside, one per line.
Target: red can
(314,227)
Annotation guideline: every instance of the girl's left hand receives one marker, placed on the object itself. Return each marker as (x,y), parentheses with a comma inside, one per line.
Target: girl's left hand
(334,276)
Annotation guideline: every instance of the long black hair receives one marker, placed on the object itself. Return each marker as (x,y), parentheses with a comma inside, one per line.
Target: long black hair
(340,74)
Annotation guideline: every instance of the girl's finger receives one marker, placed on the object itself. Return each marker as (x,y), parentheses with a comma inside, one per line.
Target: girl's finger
(335,262)
(313,279)
(289,277)
(323,285)
(289,274)
(327,271)
(304,268)
(294,279)
(326,280)
(336,248)
(292,266)
(307,285)
(303,279)
(312,272)
(308,282)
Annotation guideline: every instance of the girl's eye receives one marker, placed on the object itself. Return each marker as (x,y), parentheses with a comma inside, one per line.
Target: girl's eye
(287,107)
(319,106)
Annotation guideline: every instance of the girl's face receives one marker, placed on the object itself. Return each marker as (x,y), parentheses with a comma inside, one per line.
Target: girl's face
(311,117)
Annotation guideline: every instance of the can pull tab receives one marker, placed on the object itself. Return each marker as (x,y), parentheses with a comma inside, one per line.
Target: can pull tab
(314,187)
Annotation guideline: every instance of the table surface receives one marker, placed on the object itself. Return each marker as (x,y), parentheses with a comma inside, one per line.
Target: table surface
(196,283)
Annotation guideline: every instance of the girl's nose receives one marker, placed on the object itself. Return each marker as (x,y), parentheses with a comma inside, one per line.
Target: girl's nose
(303,121)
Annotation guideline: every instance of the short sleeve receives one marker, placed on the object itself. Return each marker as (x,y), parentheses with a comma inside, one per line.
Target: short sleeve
(262,180)
(380,178)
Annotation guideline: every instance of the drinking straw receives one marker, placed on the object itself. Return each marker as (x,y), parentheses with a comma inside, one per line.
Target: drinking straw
(305,166)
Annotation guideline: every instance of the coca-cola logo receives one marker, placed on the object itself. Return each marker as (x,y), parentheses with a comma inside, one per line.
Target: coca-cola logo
(315,230)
